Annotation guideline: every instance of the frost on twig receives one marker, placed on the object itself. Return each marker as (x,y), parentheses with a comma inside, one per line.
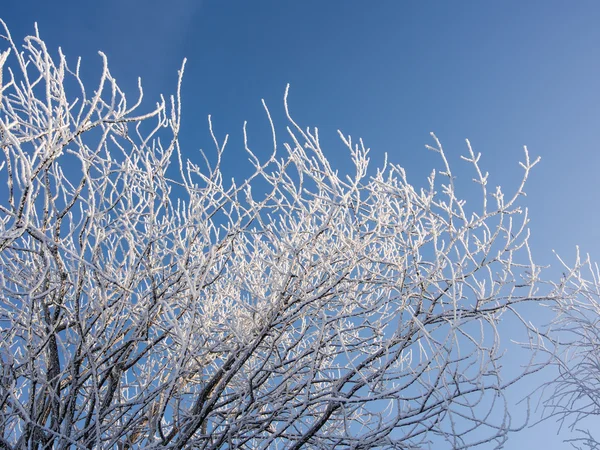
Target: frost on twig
(3,57)
(144,307)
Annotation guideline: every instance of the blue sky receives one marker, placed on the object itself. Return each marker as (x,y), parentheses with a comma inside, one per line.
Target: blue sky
(503,74)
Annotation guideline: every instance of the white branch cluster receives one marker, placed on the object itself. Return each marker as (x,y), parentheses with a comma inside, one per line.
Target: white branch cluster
(144,305)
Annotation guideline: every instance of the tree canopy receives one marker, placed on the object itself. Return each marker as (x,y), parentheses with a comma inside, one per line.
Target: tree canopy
(145,302)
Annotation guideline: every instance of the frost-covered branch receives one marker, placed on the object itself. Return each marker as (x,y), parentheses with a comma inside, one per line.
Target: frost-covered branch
(151,306)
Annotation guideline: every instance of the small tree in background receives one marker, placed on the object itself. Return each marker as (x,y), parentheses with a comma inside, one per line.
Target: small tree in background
(572,398)
(145,310)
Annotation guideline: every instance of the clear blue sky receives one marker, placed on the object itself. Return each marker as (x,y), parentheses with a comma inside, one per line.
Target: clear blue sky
(502,73)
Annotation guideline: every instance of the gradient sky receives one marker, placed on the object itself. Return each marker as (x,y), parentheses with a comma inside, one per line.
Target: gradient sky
(502,73)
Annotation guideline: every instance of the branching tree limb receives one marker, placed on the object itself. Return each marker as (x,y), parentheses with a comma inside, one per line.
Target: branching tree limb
(150,306)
